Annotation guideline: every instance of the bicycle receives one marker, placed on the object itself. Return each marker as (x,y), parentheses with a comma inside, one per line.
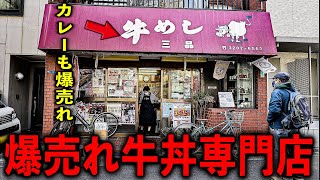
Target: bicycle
(64,127)
(232,126)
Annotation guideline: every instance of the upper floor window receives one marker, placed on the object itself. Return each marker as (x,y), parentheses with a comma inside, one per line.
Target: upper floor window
(11,7)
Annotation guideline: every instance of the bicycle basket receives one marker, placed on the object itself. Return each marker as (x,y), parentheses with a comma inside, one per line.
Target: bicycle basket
(235,117)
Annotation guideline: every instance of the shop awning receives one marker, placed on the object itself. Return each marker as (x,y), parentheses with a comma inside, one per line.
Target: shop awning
(156,30)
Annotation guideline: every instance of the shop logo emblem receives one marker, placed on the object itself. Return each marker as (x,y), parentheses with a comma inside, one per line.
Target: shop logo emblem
(264,64)
(220,70)
(235,30)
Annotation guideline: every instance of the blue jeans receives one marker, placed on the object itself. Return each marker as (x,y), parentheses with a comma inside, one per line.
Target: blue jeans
(277,134)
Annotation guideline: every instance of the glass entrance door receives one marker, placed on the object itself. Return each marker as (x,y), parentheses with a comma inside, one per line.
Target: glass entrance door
(151,77)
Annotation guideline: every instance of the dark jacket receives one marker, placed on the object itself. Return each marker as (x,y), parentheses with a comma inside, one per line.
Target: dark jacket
(279,103)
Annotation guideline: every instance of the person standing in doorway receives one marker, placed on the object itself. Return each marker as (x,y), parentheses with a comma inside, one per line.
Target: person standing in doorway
(147,112)
(278,110)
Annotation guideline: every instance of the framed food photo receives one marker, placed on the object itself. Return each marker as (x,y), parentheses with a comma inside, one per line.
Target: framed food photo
(226,99)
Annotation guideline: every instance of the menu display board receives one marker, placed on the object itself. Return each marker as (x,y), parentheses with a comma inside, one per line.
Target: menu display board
(181,113)
(122,82)
(100,129)
(178,122)
(226,99)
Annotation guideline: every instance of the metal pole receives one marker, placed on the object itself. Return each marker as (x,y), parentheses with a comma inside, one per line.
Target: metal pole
(310,74)
(318,62)
(184,73)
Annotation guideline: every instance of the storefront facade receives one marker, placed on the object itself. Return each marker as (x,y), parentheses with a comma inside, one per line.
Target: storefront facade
(174,52)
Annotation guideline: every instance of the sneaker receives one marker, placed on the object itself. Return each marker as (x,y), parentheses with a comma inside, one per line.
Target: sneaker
(298,178)
(276,178)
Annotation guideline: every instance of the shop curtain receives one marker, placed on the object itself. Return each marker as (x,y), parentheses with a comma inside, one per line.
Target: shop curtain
(220,69)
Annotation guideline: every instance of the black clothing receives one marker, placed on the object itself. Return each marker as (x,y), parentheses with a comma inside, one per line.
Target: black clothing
(147,116)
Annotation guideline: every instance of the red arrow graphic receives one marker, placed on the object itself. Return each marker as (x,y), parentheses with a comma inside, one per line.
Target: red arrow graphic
(106,31)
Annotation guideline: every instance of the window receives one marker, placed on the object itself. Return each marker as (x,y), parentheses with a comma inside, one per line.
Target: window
(244,86)
(238,84)
(122,82)
(303,74)
(11,7)
(122,94)
(110,90)
(92,83)
(179,84)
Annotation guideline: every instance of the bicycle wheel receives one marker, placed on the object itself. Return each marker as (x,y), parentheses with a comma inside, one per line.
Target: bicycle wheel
(191,129)
(235,149)
(184,128)
(111,121)
(235,131)
(197,133)
(61,127)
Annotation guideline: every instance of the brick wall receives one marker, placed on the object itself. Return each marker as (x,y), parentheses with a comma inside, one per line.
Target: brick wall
(254,119)
(49,86)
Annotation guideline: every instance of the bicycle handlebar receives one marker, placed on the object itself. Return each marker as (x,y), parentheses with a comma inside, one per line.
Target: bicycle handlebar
(227,111)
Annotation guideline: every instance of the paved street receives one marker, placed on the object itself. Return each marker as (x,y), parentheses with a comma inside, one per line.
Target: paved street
(152,172)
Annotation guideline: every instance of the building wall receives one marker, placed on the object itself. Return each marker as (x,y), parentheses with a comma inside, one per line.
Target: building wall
(49,87)
(297,21)
(294,18)
(19,36)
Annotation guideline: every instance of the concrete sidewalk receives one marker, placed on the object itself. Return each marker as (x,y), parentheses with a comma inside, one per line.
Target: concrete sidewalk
(152,172)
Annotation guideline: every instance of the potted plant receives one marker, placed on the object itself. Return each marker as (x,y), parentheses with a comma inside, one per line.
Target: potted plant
(200,103)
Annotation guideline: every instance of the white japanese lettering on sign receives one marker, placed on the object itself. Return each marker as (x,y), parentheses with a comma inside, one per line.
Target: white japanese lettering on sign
(135,30)
(166,44)
(186,30)
(188,45)
(162,27)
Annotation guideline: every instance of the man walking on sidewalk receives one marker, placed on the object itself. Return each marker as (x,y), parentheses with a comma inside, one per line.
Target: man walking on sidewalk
(278,110)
